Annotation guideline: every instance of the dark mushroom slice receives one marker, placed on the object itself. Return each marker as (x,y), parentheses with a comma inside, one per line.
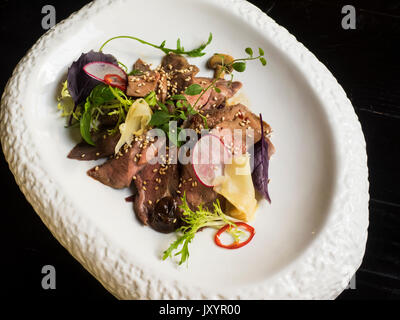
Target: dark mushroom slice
(166,216)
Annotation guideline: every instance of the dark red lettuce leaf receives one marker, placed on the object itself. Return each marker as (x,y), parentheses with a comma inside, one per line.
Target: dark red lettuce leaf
(79,83)
(261,165)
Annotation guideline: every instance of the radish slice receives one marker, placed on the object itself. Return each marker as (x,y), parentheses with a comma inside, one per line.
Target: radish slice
(107,73)
(208,159)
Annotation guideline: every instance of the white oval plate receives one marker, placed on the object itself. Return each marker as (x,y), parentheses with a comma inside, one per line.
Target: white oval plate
(309,242)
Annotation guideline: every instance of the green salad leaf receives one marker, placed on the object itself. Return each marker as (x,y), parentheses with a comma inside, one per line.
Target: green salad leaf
(66,104)
(103,100)
(193,222)
(100,95)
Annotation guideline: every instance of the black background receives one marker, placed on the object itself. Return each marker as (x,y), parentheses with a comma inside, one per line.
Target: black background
(365,62)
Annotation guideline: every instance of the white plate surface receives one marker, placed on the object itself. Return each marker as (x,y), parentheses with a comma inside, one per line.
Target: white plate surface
(309,242)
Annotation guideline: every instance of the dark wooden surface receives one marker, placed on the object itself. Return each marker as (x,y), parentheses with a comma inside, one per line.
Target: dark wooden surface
(366,62)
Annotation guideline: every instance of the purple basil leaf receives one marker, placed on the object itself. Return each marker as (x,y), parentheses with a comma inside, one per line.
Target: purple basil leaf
(261,165)
(79,83)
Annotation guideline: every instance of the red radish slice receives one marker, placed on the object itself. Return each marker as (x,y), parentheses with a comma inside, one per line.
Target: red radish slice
(208,159)
(107,73)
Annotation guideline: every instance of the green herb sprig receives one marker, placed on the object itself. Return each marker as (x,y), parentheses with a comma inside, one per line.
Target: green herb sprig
(240,65)
(198,52)
(193,222)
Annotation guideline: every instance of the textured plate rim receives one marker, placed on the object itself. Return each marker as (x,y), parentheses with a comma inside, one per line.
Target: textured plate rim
(322,272)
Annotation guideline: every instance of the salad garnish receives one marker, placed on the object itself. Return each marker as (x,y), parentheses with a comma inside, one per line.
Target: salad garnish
(195,220)
(198,52)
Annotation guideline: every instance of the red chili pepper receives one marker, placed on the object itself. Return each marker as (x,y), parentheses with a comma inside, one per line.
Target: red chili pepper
(236,244)
(115,80)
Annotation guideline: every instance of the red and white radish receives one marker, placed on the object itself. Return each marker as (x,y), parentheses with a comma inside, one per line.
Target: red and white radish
(209,158)
(107,73)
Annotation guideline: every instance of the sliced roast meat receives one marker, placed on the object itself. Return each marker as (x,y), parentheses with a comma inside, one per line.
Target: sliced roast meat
(153,183)
(173,62)
(223,123)
(179,73)
(196,193)
(204,83)
(105,146)
(118,171)
(212,99)
(141,85)
(141,66)
(227,90)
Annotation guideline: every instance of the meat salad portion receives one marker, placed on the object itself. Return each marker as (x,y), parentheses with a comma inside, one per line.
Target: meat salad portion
(153,125)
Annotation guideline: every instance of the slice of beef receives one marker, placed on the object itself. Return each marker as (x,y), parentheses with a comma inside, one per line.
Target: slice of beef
(212,99)
(154,182)
(223,123)
(152,187)
(227,90)
(179,73)
(141,66)
(105,146)
(162,87)
(118,171)
(204,83)
(196,193)
(174,62)
(141,85)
